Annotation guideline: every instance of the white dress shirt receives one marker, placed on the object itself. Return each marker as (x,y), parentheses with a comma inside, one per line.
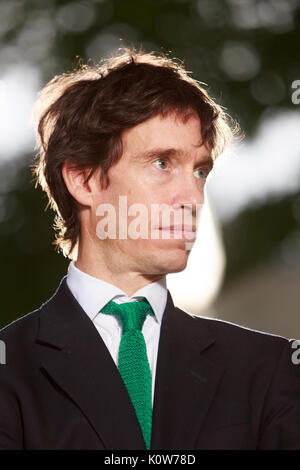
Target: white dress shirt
(93,294)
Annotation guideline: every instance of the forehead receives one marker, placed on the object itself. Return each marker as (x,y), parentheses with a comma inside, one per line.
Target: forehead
(171,130)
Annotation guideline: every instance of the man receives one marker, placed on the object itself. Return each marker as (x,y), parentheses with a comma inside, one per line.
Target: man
(109,362)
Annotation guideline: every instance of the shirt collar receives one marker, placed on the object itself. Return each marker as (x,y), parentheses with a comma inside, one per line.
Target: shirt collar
(93,293)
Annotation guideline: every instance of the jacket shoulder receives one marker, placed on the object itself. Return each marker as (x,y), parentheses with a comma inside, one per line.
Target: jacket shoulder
(18,328)
(234,336)
(27,325)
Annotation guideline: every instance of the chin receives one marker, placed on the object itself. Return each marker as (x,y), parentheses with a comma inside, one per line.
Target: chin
(165,259)
(177,268)
(173,262)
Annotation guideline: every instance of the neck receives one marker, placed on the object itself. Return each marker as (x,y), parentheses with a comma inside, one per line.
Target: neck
(126,280)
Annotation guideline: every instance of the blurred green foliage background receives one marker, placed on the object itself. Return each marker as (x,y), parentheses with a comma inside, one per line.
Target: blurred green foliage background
(246,51)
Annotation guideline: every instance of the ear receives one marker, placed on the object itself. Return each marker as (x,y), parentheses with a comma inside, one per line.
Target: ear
(75,181)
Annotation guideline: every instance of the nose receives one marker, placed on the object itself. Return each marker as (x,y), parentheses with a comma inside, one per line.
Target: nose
(188,193)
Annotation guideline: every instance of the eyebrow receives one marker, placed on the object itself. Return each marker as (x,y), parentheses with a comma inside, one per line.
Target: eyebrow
(170,152)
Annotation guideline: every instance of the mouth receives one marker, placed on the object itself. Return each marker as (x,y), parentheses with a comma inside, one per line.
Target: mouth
(180,231)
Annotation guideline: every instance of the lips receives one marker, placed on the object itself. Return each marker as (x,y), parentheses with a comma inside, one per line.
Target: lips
(179,231)
(179,228)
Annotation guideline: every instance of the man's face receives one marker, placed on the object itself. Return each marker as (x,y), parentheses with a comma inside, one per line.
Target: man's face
(163,162)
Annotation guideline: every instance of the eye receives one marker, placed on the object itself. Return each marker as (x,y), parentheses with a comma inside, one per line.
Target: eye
(160,164)
(201,173)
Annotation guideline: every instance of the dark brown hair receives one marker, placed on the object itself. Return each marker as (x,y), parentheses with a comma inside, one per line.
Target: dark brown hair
(81,116)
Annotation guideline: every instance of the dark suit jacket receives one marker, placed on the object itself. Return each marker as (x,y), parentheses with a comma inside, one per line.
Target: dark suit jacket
(218,385)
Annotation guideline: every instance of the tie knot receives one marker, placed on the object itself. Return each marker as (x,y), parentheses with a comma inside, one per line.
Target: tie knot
(131,314)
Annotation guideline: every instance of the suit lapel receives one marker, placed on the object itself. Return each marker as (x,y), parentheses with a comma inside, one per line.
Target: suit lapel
(75,357)
(186,381)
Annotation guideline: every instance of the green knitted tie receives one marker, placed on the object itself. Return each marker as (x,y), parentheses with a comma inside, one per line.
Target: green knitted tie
(133,362)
